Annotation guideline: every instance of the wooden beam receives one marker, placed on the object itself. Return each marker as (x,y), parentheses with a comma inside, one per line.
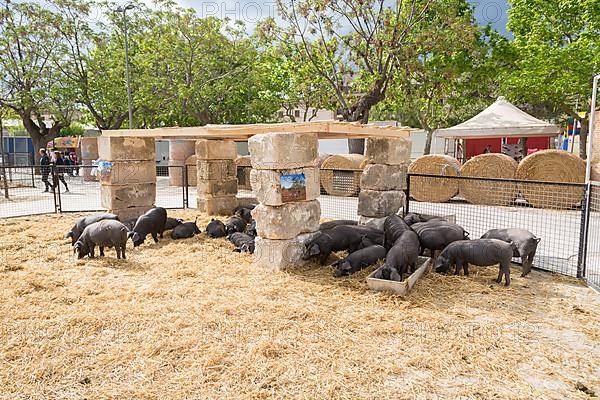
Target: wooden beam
(325,130)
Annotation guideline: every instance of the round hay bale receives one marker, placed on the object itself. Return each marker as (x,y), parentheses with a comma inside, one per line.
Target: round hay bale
(340,174)
(192,176)
(492,165)
(435,190)
(243,161)
(322,157)
(551,166)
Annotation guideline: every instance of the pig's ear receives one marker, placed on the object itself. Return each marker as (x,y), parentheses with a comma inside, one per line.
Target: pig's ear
(69,235)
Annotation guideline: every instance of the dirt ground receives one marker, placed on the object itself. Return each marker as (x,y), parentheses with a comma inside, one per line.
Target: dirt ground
(191,319)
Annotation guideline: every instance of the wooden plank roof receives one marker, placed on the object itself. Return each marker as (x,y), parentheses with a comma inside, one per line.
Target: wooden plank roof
(325,130)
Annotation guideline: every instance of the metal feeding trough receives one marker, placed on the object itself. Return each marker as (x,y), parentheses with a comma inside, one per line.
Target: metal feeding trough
(404,287)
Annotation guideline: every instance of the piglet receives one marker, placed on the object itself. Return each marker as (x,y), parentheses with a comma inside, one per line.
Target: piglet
(82,223)
(482,252)
(359,259)
(105,233)
(152,222)
(242,241)
(185,230)
(215,229)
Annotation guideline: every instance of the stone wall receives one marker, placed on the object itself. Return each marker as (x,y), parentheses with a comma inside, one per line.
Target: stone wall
(179,152)
(130,188)
(287,214)
(595,173)
(383,180)
(216,176)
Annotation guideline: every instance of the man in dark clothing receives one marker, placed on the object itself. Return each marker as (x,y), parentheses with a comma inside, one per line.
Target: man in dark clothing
(60,170)
(45,169)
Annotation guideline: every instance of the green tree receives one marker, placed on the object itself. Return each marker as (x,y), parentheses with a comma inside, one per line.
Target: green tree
(558,51)
(452,77)
(31,83)
(356,46)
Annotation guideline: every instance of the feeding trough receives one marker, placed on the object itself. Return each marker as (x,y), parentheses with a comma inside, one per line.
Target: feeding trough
(401,288)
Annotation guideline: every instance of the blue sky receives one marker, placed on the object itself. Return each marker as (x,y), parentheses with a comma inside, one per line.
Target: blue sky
(251,11)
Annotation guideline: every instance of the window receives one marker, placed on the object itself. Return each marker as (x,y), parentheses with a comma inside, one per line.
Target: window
(296,113)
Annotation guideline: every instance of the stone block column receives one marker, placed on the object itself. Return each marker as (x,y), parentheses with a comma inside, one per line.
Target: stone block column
(179,152)
(129,188)
(285,181)
(89,153)
(383,179)
(595,172)
(216,176)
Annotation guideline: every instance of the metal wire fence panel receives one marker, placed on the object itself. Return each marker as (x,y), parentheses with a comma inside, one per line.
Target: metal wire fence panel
(171,186)
(83,189)
(551,211)
(339,193)
(592,242)
(23,192)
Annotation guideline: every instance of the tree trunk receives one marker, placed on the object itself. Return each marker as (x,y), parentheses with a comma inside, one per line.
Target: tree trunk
(40,136)
(428,140)
(583,136)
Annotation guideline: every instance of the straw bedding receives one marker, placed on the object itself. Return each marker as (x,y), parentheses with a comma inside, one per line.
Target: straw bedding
(492,165)
(436,190)
(339,175)
(552,166)
(193,320)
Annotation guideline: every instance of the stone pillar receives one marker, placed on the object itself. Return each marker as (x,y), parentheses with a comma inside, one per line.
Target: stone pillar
(216,180)
(595,143)
(285,180)
(383,179)
(179,152)
(192,173)
(129,187)
(89,153)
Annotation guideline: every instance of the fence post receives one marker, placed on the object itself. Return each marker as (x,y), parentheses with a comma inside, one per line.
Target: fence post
(55,192)
(583,236)
(184,183)
(32,176)
(407,194)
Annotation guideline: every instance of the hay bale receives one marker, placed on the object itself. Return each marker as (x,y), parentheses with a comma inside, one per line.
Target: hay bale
(243,168)
(551,166)
(492,165)
(436,190)
(340,174)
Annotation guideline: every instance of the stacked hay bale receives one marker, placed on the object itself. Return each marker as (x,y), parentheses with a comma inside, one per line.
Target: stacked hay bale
(89,153)
(551,166)
(192,171)
(216,181)
(129,187)
(340,174)
(384,178)
(179,152)
(243,168)
(492,165)
(287,213)
(435,190)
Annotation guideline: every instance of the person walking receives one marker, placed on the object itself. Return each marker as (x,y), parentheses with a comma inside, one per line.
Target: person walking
(60,169)
(45,169)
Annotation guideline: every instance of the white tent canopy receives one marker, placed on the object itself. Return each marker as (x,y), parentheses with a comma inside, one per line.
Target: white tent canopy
(501,119)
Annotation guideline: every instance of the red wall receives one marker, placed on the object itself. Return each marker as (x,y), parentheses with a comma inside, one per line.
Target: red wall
(474,147)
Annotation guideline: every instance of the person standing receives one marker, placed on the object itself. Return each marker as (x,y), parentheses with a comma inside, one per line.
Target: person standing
(60,169)
(45,169)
